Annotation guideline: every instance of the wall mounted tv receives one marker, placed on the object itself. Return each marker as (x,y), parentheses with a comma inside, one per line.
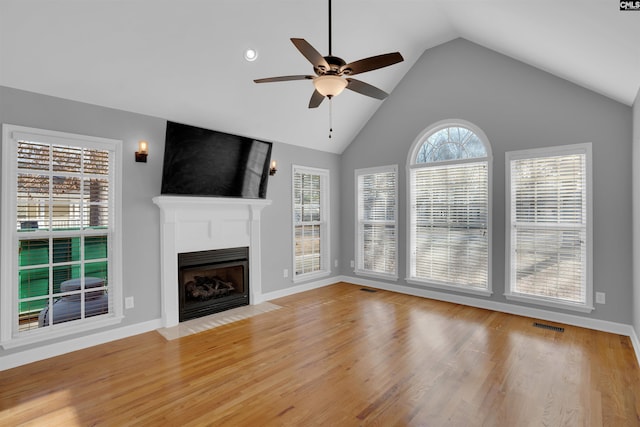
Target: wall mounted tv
(202,162)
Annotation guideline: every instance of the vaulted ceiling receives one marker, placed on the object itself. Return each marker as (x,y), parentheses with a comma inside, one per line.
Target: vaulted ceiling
(182,60)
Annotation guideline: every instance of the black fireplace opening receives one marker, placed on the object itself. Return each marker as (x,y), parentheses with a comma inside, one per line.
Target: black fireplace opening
(212,281)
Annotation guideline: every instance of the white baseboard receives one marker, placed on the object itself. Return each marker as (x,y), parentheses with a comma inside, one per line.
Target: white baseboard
(537,313)
(301,288)
(56,349)
(636,344)
(67,346)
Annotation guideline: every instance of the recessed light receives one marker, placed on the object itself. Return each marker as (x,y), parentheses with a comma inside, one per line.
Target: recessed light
(250,54)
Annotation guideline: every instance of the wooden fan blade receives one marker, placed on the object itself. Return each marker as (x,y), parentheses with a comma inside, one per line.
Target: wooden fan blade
(371,63)
(366,89)
(283,79)
(316,99)
(310,53)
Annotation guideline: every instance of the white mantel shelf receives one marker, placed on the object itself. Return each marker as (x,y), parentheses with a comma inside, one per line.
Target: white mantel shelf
(189,224)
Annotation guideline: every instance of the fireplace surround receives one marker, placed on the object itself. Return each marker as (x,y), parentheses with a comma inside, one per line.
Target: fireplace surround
(192,224)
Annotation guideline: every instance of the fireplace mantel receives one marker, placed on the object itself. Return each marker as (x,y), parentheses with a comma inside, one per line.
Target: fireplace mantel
(189,224)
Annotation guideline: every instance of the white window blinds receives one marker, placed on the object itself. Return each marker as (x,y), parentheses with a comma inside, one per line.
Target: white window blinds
(549,225)
(310,214)
(450,206)
(376,249)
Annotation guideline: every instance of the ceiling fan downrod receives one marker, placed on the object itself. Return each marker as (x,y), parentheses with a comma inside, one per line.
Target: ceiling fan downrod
(330,28)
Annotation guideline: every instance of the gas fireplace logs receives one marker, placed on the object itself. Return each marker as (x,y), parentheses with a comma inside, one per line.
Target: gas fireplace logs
(204,288)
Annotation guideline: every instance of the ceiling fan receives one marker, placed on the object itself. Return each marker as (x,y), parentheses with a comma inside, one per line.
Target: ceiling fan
(331,72)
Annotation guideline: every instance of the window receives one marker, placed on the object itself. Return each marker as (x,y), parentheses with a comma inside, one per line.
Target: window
(310,222)
(549,228)
(377,222)
(59,213)
(449,199)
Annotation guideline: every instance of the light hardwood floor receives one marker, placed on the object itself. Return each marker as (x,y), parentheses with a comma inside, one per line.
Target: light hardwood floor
(339,356)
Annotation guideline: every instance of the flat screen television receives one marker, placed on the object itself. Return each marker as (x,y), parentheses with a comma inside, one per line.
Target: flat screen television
(203,162)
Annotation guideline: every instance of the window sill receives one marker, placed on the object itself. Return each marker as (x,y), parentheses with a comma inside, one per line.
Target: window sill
(473,291)
(311,276)
(583,308)
(375,275)
(59,331)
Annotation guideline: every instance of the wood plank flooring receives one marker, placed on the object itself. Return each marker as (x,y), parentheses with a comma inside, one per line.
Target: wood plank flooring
(338,356)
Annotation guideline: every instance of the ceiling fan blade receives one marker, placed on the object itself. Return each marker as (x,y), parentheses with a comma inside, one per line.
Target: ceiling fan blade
(366,89)
(316,99)
(283,79)
(310,53)
(371,63)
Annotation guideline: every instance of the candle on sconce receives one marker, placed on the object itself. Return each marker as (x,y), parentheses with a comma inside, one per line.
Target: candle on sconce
(143,151)
(274,168)
(142,147)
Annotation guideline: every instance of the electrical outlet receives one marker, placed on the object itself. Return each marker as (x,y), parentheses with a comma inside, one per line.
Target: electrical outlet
(285,273)
(128,302)
(335,263)
(600,297)
(353,263)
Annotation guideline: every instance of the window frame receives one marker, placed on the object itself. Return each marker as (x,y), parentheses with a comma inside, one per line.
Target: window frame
(555,151)
(412,165)
(324,222)
(359,243)
(10,336)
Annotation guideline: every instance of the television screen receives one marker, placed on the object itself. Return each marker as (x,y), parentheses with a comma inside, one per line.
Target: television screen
(202,162)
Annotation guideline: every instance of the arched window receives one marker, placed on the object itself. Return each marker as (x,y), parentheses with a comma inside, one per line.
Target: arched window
(449,208)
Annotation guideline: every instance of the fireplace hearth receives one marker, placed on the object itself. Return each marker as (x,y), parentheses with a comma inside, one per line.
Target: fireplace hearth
(212,281)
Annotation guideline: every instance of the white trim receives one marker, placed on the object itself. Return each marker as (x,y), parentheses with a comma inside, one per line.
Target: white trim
(548,302)
(325,223)
(375,275)
(357,246)
(44,352)
(9,258)
(300,288)
(581,148)
(314,275)
(61,330)
(62,347)
(518,310)
(636,344)
(424,283)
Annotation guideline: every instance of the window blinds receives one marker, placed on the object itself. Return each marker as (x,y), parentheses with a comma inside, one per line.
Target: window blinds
(308,222)
(449,223)
(377,221)
(549,227)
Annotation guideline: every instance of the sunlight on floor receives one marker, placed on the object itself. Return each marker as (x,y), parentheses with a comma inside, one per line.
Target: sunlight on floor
(66,413)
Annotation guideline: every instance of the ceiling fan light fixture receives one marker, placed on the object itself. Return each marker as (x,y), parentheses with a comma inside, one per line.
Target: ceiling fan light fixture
(329,86)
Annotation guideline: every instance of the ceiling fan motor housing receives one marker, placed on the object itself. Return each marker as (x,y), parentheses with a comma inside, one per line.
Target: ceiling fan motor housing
(336,65)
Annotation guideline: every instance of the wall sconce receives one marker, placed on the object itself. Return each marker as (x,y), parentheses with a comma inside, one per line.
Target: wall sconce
(274,168)
(141,154)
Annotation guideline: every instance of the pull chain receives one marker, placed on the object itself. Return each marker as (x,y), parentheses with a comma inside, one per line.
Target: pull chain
(330,118)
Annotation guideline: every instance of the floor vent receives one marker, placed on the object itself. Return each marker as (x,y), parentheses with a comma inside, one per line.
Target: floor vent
(544,326)
(368,290)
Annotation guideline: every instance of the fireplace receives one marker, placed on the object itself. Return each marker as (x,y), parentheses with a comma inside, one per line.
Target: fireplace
(195,224)
(212,281)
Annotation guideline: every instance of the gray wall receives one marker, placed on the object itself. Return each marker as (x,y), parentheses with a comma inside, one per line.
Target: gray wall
(277,233)
(636,214)
(518,107)
(142,181)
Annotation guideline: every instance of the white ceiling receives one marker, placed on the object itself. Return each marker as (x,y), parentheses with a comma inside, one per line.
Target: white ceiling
(182,60)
